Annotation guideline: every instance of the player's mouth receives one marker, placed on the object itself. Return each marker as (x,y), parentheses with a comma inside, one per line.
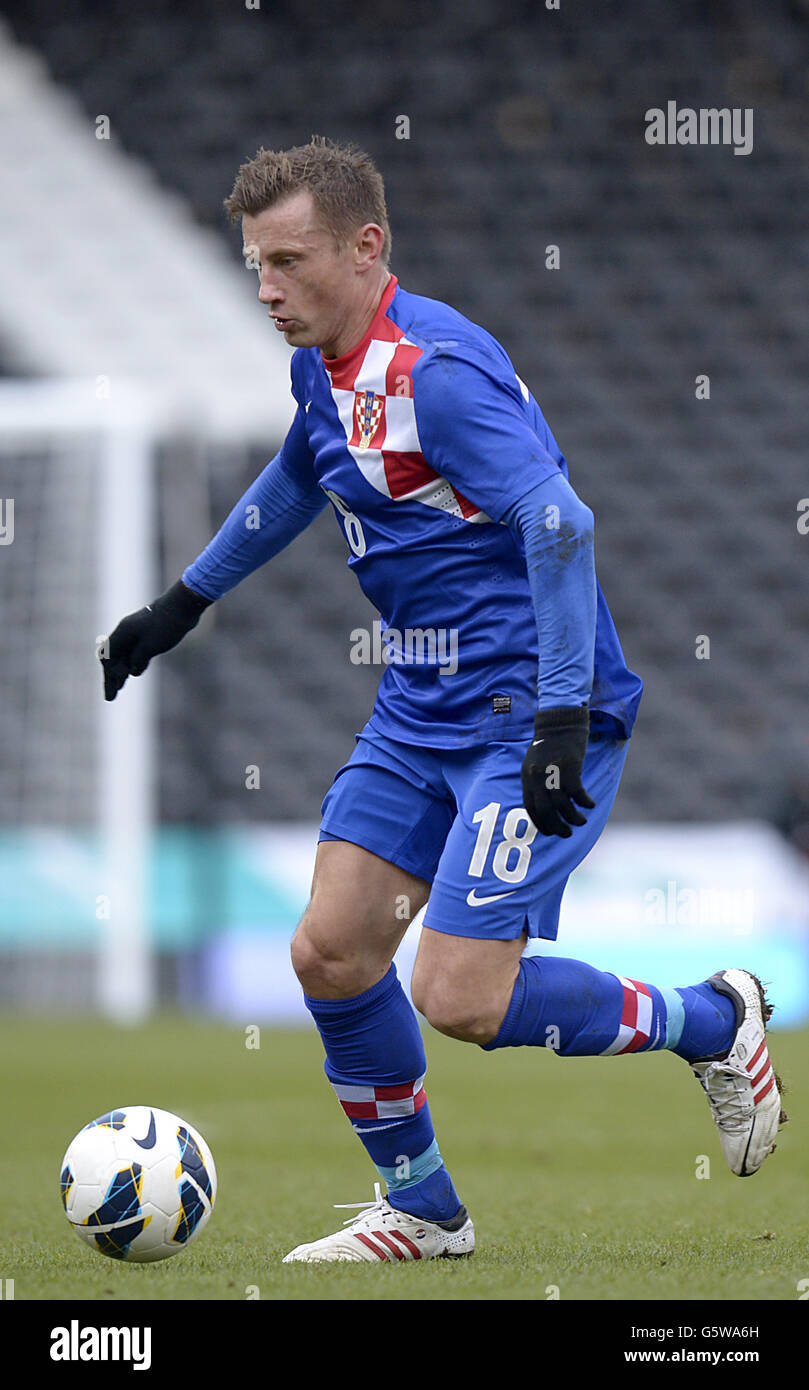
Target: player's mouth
(282,324)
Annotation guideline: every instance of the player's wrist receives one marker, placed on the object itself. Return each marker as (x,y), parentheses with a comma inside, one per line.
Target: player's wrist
(183,605)
(562,717)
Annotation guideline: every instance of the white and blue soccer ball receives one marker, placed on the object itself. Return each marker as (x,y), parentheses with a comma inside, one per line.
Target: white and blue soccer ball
(138,1184)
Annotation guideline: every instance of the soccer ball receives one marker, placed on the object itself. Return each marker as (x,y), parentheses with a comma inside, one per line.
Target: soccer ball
(138,1184)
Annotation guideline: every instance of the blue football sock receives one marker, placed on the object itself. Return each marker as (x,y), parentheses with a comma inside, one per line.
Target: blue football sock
(710,1022)
(376,1063)
(579,1011)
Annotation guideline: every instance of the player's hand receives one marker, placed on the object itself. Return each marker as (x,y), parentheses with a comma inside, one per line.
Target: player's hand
(551,770)
(154,629)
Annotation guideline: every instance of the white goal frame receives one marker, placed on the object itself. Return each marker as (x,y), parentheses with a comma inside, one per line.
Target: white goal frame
(122,428)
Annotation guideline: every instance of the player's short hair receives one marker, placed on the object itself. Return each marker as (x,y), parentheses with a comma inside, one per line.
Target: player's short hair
(345,184)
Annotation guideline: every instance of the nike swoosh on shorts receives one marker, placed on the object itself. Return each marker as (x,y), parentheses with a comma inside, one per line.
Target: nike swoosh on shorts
(475,901)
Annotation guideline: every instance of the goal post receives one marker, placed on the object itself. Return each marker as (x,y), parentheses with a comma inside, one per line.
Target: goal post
(126,728)
(78,471)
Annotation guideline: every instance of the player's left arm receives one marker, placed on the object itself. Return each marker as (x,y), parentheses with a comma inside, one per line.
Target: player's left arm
(474,429)
(557,532)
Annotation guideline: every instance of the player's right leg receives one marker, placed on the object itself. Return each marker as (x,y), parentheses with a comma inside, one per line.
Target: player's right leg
(362,901)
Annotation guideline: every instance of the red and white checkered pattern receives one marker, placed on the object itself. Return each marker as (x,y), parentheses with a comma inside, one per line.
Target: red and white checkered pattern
(390,459)
(382,1102)
(635,1027)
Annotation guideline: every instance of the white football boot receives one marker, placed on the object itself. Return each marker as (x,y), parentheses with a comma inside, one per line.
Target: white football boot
(380,1233)
(743,1090)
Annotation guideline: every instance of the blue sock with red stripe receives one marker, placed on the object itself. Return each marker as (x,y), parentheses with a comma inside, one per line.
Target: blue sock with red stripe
(376,1063)
(579,1011)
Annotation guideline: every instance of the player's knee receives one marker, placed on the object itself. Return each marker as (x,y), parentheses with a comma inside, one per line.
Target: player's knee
(319,971)
(453,1013)
(305,957)
(326,970)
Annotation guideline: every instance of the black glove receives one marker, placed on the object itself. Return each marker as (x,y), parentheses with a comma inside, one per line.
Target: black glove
(551,770)
(154,629)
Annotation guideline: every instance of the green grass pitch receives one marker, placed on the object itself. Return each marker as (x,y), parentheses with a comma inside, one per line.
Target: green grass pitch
(580,1174)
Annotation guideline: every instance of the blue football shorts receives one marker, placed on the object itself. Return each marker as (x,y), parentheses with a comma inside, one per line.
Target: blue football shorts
(455,818)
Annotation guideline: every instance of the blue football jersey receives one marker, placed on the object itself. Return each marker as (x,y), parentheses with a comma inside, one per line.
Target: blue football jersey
(431,450)
(422,437)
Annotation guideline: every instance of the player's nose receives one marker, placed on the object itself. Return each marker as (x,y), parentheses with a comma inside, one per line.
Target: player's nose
(269,294)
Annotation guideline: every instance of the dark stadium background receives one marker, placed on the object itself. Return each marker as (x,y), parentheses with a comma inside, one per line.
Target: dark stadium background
(526,129)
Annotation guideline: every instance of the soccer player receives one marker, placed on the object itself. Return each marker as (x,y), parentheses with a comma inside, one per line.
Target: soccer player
(503,713)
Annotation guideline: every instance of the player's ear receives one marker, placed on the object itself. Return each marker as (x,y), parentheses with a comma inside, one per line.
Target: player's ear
(368,245)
